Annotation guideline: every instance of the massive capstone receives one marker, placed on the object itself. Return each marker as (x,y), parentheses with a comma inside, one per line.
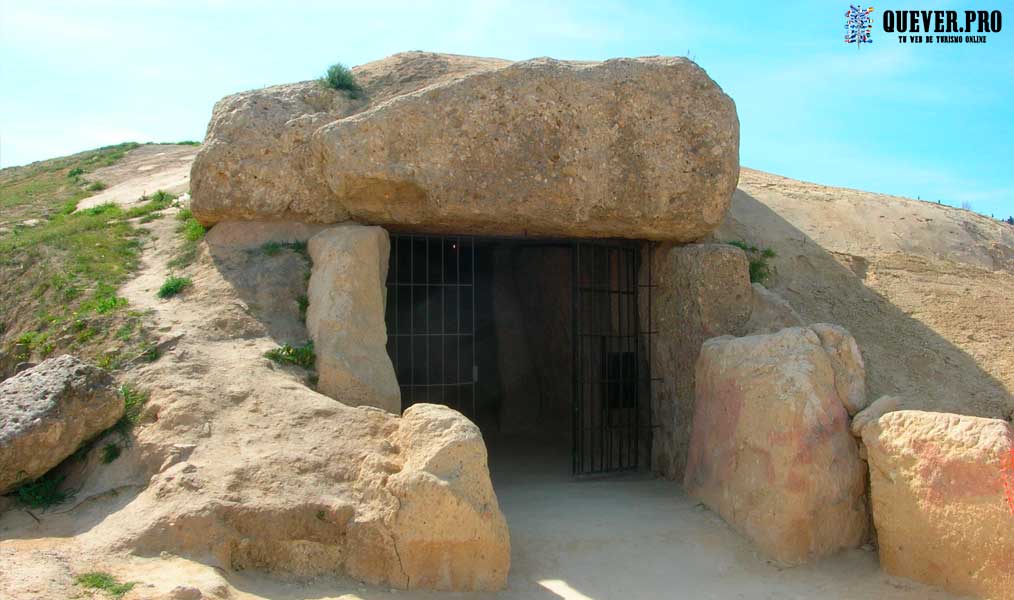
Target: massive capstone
(642,148)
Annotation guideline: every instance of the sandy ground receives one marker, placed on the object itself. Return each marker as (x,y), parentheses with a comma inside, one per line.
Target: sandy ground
(143,171)
(617,538)
(621,538)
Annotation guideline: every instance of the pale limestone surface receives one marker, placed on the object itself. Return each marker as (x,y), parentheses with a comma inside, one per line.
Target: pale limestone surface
(771,450)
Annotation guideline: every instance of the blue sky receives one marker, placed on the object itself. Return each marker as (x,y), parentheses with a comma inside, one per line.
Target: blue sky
(935,122)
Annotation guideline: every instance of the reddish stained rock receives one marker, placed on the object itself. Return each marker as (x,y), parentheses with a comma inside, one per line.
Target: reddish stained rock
(939,502)
(770,449)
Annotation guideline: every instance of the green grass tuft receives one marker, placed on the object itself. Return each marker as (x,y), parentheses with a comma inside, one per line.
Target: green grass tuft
(302,356)
(304,304)
(105,582)
(110,452)
(760,269)
(133,402)
(96,186)
(163,197)
(133,407)
(43,492)
(273,248)
(173,285)
(192,232)
(340,77)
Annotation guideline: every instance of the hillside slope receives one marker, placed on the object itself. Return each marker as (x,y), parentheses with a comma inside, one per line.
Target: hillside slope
(927,290)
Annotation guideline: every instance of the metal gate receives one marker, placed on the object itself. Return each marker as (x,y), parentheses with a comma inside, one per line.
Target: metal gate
(431,319)
(432,337)
(612,381)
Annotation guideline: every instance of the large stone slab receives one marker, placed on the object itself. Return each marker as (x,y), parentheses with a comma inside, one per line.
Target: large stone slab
(702,291)
(638,148)
(345,316)
(48,411)
(770,313)
(942,513)
(771,450)
(403,502)
(449,532)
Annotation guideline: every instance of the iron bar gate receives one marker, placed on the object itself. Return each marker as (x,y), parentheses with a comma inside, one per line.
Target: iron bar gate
(432,337)
(431,332)
(612,377)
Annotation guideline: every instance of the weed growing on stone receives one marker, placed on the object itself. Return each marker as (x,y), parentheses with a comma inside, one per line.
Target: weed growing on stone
(105,582)
(272,248)
(110,452)
(760,270)
(304,304)
(302,356)
(340,77)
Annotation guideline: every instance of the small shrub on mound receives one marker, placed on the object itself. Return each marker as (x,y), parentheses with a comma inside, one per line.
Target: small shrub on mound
(340,77)
(173,285)
(302,356)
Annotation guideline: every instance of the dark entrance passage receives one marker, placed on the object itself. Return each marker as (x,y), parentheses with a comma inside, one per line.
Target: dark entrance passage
(531,339)
(609,369)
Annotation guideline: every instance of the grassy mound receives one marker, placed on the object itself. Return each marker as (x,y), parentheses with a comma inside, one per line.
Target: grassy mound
(60,269)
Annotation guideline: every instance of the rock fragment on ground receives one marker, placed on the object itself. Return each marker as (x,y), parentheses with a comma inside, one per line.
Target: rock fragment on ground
(943,499)
(48,411)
